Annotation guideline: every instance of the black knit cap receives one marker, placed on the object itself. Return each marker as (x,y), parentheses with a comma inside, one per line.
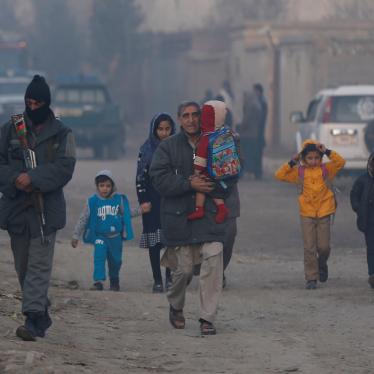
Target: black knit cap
(38,89)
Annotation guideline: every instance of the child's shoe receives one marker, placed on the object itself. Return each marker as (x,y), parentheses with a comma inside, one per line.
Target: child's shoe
(323,269)
(168,283)
(114,284)
(371,280)
(311,285)
(158,288)
(222,213)
(97,286)
(197,214)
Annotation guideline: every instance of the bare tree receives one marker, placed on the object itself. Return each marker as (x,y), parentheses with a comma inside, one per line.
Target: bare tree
(113,33)
(54,42)
(7,16)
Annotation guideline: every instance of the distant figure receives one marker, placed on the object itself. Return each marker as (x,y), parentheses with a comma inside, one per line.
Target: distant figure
(162,126)
(259,92)
(208,96)
(362,202)
(227,94)
(105,222)
(229,117)
(250,134)
(317,204)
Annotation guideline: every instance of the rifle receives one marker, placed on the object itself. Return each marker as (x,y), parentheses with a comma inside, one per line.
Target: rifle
(29,159)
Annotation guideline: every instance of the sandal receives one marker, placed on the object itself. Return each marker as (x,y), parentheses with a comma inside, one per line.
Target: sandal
(207,328)
(176,318)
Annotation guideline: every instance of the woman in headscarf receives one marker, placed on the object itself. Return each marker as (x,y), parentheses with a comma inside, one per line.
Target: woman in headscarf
(162,126)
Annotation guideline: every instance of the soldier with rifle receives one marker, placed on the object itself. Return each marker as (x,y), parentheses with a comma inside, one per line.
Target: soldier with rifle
(37,159)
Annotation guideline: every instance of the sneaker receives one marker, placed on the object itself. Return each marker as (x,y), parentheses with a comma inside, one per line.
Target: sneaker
(371,280)
(323,269)
(114,284)
(97,286)
(158,288)
(311,285)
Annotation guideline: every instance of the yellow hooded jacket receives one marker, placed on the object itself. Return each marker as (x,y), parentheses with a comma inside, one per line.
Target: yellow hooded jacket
(316,199)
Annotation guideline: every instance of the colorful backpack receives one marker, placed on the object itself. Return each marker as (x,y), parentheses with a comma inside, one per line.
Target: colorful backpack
(223,157)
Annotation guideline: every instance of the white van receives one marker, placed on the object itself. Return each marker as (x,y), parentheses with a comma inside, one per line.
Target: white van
(343,120)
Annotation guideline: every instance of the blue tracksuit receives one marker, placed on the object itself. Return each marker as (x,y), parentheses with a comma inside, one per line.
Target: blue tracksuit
(109,223)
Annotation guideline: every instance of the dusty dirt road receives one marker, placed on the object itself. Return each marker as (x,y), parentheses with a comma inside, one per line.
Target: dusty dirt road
(267,322)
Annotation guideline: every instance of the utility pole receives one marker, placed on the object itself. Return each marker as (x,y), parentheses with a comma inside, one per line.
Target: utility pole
(274,90)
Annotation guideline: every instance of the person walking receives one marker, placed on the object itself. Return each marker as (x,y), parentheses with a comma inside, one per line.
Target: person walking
(105,222)
(261,143)
(23,189)
(362,202)
(188,242)
(317,204)
(250,133)
(162,126)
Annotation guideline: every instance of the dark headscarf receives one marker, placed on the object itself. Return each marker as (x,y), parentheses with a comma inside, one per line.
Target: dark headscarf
(150,145)
(38,89)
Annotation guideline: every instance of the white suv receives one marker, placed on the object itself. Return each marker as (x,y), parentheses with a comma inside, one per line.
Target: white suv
(343,120)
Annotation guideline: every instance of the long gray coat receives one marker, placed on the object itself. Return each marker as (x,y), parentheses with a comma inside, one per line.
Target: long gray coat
(171,167)
(55,154)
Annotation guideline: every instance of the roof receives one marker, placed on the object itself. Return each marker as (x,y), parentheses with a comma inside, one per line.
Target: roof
(14,80)
(348,91)
(354,90)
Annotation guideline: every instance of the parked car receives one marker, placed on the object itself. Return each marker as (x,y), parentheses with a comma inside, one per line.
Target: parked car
(342,119)
(84,104)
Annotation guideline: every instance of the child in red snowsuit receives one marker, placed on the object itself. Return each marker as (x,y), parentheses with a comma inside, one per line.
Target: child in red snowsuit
(212,119)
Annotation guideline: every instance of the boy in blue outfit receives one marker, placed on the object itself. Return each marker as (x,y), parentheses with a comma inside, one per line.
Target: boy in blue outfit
(106,222)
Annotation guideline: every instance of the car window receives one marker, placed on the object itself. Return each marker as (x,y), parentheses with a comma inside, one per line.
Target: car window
(352,109)
(312,110)
(13,88)
(81,96)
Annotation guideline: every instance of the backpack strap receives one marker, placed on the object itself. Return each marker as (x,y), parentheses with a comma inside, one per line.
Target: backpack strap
(301,172)
(325,172)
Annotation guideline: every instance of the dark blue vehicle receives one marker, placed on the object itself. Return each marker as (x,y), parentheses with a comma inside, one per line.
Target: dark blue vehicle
(84,104)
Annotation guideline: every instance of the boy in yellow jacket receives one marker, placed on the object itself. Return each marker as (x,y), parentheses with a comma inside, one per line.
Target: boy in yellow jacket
(317,204)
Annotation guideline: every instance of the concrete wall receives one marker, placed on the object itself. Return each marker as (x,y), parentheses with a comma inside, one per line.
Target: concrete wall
(305,67)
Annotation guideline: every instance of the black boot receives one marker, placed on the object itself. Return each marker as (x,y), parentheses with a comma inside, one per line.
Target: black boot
(97,286)
(29,330)
(114,284)
(44,322)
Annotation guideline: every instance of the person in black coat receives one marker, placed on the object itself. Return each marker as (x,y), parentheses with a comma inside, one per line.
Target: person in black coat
(362,201)
(162,126)
(21,213)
